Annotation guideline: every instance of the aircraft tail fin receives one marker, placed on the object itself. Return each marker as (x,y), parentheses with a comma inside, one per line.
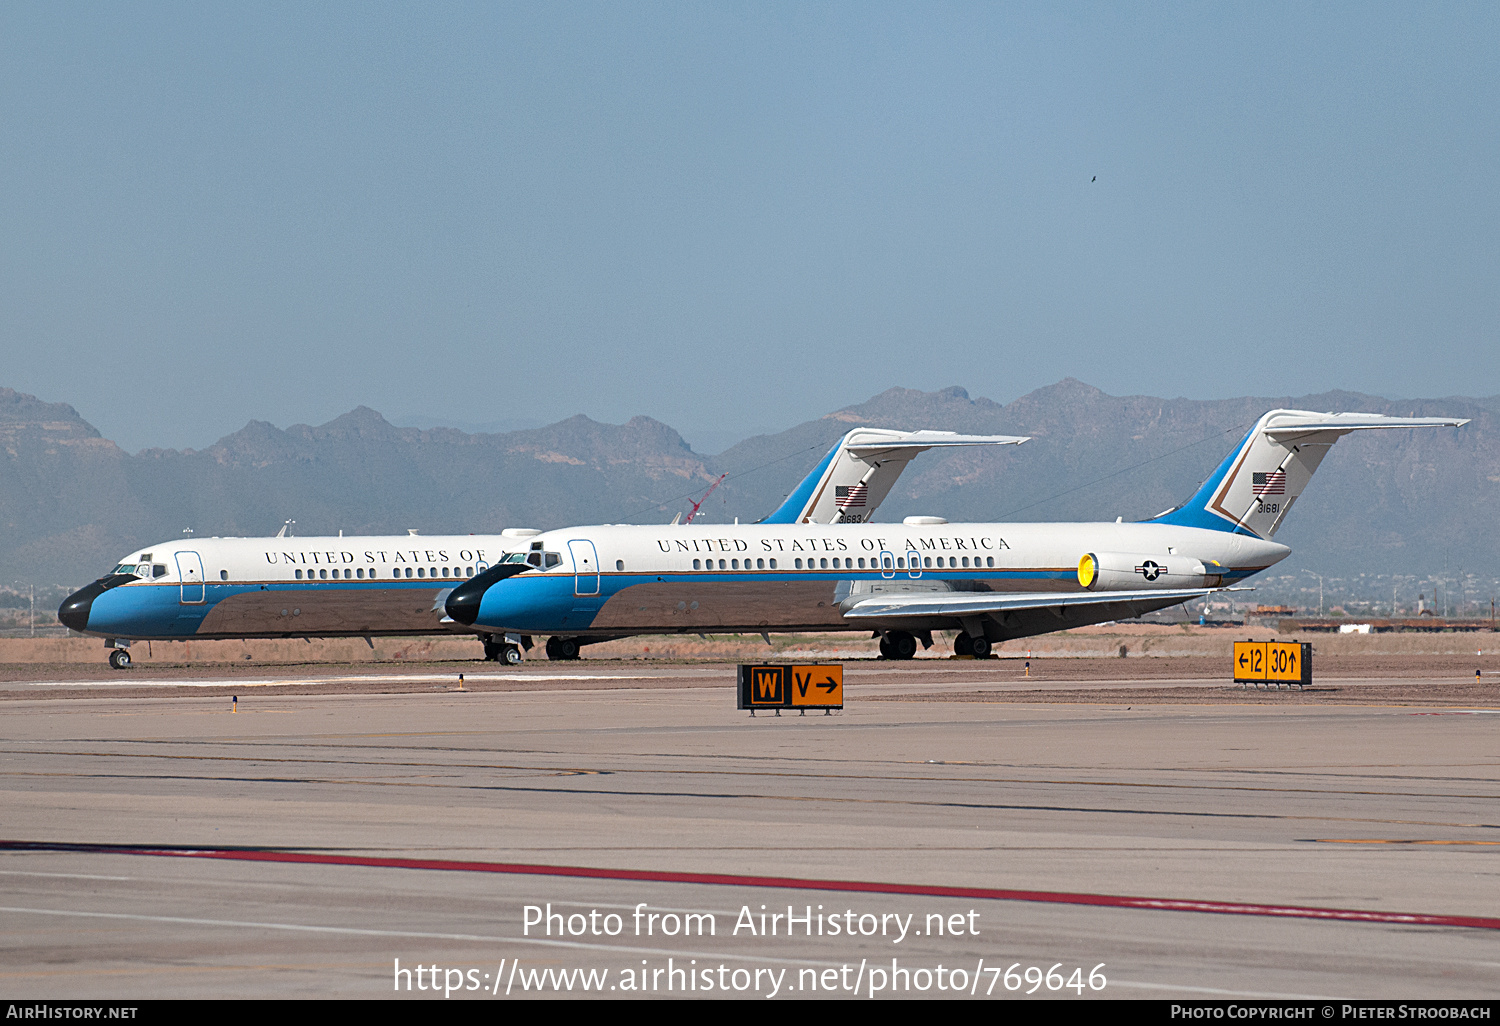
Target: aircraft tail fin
(858,473)
(1256,485)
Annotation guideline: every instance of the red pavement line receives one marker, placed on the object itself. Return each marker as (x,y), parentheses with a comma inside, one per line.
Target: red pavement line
(1232,908)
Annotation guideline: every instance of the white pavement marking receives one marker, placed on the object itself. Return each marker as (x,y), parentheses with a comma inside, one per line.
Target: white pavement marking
(1217,992)
(448,678)
(360,932)
(65,876)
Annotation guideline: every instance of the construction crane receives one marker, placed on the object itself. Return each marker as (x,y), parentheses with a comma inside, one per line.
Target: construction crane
(701,501)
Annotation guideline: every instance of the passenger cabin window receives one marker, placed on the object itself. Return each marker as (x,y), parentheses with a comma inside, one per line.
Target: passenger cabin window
(619,564)
(298,574)
(223,575)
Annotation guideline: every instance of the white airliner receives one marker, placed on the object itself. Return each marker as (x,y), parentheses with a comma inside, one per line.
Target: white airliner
(285,587)
(989,582)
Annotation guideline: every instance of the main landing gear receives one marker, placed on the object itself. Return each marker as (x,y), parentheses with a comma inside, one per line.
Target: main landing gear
(979,648)
(897,645)
(562,649)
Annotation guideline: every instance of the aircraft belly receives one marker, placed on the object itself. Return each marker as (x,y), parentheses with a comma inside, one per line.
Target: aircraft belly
(324,611)
(694,604)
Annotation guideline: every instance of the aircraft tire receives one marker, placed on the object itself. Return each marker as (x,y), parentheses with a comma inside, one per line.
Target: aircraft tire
(562,649)
(510,655)
(963,645)
(491,649)
(980,647)
(903,645)
(119,659)
(885,648)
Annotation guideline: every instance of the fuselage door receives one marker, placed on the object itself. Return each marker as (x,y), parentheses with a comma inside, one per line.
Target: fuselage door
(913,563)
(585,567)
(190,572)
(887,564)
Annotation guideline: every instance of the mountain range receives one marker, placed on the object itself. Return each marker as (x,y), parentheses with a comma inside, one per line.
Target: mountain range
(1399,502)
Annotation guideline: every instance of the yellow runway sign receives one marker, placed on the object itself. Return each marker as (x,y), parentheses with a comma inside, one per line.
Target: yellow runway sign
(1273,662)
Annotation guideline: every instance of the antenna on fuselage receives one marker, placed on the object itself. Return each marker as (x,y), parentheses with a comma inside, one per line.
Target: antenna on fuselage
(283,533)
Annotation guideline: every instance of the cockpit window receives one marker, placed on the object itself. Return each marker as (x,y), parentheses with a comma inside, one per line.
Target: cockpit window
(515,557)
(145,571)
(553,559)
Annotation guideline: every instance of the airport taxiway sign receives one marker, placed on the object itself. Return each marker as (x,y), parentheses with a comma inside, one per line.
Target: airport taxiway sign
(783,686)
(1273,662)
(817,687)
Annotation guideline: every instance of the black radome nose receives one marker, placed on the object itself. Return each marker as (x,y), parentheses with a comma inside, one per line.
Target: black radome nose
(74,612)
(463,603)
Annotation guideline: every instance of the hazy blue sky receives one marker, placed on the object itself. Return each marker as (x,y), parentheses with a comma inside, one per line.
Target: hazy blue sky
(733,217)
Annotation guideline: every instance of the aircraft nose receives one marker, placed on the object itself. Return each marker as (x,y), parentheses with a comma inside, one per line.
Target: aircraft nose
(74,612)
(463,603)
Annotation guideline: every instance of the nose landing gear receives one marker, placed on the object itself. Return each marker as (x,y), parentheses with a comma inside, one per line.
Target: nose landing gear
(499,651)
(119,659)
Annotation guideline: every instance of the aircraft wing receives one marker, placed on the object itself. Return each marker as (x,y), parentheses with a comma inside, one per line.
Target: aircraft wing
(962,604)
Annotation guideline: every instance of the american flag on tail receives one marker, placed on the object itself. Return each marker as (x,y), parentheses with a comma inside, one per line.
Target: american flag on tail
(1272,483)
(848,496)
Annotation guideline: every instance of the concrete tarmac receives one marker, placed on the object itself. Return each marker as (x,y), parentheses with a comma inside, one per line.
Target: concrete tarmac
(1376,808)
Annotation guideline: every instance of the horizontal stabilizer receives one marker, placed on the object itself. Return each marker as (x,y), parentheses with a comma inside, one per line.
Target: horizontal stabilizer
(858,473)
(1297,423)
(921,441)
